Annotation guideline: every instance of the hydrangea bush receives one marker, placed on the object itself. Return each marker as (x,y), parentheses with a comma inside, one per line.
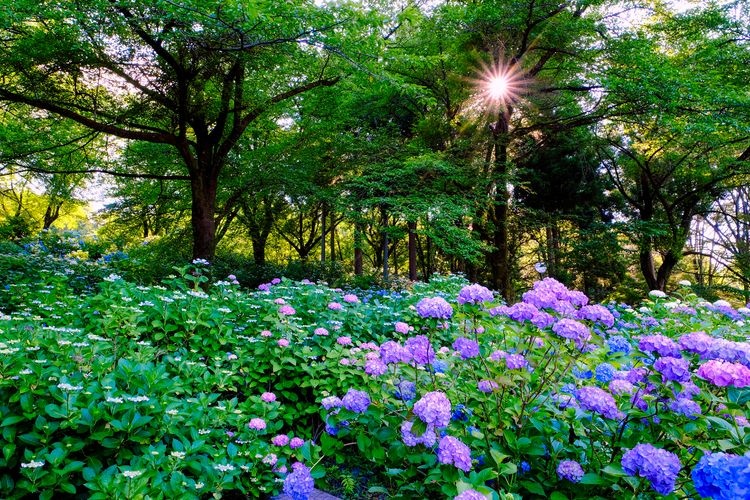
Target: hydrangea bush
(196,387)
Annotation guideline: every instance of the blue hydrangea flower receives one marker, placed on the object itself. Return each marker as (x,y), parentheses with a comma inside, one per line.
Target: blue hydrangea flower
(406,390)
(356,401)
(605,372)
(599,401)
(686,407)
(299,483)
(722,476)
(461,413)
(659,466)
(618,343)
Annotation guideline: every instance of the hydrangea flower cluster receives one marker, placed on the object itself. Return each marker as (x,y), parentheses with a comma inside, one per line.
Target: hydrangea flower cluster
(299,483)
(428,437)
(469,495)
(570,470)
(434,409)
(573,330)
(722,476)
(467,348)
(724,373)
(453,451)
(674,369)
(598,401)
(434,307)
(604,372)
(660,467)
(474,294)
(596,313)
(356,401)
(419,350)
(663,346)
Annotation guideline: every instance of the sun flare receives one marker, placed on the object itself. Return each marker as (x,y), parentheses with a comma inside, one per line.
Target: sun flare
(499,84)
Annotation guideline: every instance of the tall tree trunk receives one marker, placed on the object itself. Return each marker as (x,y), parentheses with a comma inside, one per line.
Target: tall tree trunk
(412,250)
(203,189)
(259,249)
(500,257)
(333,234)
(323,215)
(51,214)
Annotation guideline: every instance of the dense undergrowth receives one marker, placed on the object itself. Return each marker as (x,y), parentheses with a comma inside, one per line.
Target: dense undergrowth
(197,387)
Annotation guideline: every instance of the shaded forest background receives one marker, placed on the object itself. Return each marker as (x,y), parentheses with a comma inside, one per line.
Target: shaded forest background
(360,140)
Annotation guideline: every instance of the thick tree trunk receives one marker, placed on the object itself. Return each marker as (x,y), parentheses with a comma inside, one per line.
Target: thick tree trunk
(358,249)
(500,257)
(51,214)
(259,250)
(646,261)
(203,189)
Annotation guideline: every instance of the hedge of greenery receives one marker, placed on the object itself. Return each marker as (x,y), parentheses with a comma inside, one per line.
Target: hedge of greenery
(196,388)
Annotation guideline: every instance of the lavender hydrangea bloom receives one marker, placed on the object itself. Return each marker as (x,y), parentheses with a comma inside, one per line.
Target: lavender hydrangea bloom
(375,367)
(686,407)
(470,495)
(664,346)
(724,373)
(453,451)
(722,476)
(599,401)
(392,352)
(521,311)
(573,330)
(428,438)
(466,347)
(487,385)
(299,484)
(331,402)
(356,401)
(434,307)
(515,362)
(434,408)
(619,386)
(696,342)
(474,294)
(597,313)
(406,390)
(659,466)
(543,319)
(570,470)
(675,369)
(419,350)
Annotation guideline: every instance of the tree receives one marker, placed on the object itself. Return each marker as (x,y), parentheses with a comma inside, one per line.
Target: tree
(193,76)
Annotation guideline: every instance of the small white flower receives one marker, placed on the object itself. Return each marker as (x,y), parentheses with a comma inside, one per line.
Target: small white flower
(115,400)
(32,465)
(203,432)
(684,283)
(25,371)
(177,454)
(657,294)
(67,387)
(540,267)
(199,485)
(130,474)
(137,399)
(172,412)
(223,468)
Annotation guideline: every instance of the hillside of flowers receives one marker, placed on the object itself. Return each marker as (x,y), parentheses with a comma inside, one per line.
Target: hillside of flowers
(198,388)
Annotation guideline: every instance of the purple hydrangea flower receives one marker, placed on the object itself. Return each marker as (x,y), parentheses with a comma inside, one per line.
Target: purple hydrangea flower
(487,385)
(419,350)
(722,476)
(521,311)
(434,408)
(599,401)
(597,313)
(356,401)
(474,294)
(375,367)
(406,390)
(402,327)
(427,438)
(659,466)
(675,369)
(696,342)
(350,298)
(344,340)
(335,306)
(452,451)
(257,424)
(515,362)
(470,495)
(331,402)
(393,352)
(287,310)
(434,307)
(664,346)
(466,347)
(299,484)
(573,330)
(543,319)
(619,386)
(268,397)
(280,440)
(724,373)
(296,442)
(321,332)
(686,407)
(570,470)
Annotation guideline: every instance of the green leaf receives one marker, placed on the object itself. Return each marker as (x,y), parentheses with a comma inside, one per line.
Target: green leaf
(592,478)
(533,487)
(614,470)
(13,419)
(557,495)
